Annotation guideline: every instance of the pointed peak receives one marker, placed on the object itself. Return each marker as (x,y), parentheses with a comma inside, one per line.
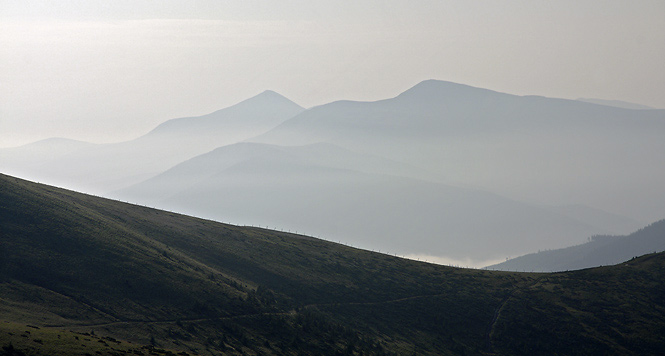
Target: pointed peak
(270,96)
(271,92)
(439,86)
(267,108)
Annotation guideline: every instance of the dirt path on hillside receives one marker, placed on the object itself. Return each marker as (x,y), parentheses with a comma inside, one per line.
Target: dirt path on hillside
(241,316)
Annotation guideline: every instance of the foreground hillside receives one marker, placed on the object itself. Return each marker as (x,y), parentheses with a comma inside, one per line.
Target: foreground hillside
(83,275)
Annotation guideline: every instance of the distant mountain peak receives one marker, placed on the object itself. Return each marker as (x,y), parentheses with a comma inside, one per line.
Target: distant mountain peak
(436,84)
(269,92)
(268,108)
(269,96)
(430,89)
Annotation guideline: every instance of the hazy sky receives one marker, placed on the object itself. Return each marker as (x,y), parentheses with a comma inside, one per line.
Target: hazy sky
(104,71)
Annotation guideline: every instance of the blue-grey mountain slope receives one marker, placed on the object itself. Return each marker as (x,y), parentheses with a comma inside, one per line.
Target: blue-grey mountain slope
(599,251)
(616,103)
(27,160)
(198,169)
(103,168)
(358,199)
(619,225)
(536,149)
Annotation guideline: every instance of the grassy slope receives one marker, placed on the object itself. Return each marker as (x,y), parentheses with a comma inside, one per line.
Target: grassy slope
(72,263)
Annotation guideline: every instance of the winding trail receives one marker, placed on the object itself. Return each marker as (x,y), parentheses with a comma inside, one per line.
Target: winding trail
(499,309)
(488,335)
(241,316)
(168,321)
(495,317)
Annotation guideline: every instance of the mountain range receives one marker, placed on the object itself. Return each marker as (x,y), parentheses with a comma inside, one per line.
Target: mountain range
(443,169)
(532,149)
(84,275)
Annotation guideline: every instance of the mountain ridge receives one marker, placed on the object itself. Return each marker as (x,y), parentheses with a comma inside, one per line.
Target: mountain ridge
(106,167)
(535,149)
(617,103)
(258,106)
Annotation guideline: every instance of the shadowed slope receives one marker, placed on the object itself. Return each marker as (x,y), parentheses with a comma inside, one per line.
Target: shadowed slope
(75,262)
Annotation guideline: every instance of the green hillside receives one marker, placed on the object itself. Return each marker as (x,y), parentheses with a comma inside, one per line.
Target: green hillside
(83,275)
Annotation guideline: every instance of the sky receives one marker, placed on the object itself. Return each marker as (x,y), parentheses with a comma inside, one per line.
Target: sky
(108,71)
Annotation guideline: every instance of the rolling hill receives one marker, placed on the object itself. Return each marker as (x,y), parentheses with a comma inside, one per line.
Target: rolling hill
(84,275)
(358,199)
(599,251)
